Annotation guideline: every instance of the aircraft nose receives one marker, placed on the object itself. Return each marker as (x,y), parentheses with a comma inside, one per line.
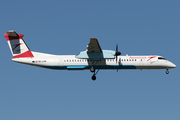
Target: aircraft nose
(171,65)
(174,66)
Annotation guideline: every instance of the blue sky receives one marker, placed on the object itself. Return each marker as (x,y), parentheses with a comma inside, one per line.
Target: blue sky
(140,27)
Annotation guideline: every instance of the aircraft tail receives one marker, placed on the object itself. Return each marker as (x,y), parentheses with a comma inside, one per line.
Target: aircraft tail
(18,47)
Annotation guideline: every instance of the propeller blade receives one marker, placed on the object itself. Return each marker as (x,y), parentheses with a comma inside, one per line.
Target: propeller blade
(116,47)
(117,52)
(116,58)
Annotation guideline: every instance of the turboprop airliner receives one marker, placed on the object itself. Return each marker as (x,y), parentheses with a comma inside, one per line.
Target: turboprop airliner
(93,59)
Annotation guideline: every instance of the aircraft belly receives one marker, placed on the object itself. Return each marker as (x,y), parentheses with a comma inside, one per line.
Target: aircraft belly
(83,67)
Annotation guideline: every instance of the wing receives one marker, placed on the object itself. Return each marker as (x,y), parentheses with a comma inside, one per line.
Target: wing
(93,46)
(95,52)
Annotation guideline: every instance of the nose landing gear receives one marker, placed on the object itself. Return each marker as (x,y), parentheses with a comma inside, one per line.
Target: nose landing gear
(167,71)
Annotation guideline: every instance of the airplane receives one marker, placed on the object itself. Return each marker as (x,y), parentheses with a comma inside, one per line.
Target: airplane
(93,59)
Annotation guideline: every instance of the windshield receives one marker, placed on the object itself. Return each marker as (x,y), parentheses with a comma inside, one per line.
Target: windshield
(161,58)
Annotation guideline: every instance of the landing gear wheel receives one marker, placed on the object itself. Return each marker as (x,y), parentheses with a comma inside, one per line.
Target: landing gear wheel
(92,69)
(93,77)
(167,71)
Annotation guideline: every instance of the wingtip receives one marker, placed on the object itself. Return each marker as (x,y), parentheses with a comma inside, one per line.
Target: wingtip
(93,38)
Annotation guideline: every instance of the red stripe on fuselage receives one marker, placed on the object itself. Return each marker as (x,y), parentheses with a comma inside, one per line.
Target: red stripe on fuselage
(151,57)
(24,55)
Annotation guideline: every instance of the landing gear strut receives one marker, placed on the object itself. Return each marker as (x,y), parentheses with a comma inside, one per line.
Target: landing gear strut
(167,71)
(92,69)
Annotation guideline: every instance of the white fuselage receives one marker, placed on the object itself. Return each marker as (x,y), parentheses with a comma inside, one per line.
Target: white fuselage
(70,62)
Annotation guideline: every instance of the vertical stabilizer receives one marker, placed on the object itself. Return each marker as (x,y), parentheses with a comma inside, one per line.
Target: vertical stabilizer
(18,47)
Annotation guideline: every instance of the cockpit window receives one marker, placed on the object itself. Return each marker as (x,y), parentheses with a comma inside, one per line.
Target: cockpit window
(161,58)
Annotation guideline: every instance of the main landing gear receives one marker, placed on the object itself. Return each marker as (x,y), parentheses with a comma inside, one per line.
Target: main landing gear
(167,71)
(94,71)
(93,77)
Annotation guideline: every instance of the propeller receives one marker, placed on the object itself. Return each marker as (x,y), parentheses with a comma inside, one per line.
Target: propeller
(117,52)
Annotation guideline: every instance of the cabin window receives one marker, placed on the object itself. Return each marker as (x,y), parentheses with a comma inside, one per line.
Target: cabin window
(122,60)
(129,59)
(132,59)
